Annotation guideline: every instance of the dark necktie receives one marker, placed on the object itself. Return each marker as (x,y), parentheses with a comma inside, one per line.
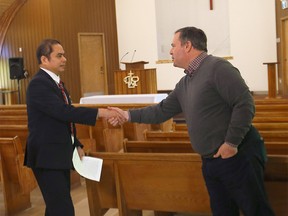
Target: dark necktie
(65,97)
(61,86)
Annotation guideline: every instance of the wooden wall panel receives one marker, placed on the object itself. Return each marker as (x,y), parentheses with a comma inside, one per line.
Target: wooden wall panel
(60,19)
(28,27)
(84,16)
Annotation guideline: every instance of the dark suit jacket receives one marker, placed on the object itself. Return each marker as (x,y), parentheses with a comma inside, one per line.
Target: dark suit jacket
(49,142)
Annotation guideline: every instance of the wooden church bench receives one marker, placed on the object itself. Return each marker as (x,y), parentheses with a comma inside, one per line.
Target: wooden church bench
(17,180)
(271,107)
(13,120)
(166,135)
(13,112)
(271,126)
(275,136)
(169,182)
(15,130)
(276,182)
(157,146)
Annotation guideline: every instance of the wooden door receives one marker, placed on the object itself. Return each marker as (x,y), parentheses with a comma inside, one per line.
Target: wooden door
(284,54)
(92,60)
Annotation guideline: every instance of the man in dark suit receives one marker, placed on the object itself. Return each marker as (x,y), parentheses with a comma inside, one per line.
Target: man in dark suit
(52,134)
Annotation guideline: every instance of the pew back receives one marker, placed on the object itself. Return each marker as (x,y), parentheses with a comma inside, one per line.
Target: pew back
(13,120)
(166,135)
(18,181)
(277,168)
(272,148)
(102,195)
(182,185)
(15,130)
(157,146)
(84,135)
(272,107)
(169,182)
(13,112)
(132,169)
(113,139)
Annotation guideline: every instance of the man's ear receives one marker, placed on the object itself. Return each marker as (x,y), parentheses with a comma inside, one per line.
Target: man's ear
(188,46)
(44,59)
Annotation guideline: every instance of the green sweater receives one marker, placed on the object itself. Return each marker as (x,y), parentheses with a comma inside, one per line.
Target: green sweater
(216,103)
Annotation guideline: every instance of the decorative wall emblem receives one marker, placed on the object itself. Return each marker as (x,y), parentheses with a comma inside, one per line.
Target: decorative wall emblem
(131,80)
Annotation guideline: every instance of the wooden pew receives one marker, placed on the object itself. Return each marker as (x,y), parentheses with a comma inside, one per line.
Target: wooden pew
(102,195)
(279,138)
(17,125)
(84,135)
(265,101)
(21,131)
(15,130)
(272,113)
(169,182)
(13,120)
(13,107)
(271,119)
(271,107)
(134,131)
(271,123)
(271,126)
(157,146)
(113,139)
(274,148)
(13,112)
(166,135)
(180,127)
(274,136)
(276,183)
(277,168)
(17,181)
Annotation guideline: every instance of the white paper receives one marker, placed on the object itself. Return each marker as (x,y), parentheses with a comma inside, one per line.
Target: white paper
(88,167)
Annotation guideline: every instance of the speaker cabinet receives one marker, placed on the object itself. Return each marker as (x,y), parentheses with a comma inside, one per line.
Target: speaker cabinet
(16,66)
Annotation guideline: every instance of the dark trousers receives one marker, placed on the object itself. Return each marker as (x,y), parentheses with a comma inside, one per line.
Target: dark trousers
(238,182)
(55,189)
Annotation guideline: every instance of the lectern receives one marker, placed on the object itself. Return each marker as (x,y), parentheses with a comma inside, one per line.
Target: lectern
(135,79)
(134,65)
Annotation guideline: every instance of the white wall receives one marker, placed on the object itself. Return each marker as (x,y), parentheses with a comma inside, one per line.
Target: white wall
(252,38)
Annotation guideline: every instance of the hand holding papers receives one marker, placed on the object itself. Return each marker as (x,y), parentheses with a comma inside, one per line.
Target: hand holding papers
(88,167)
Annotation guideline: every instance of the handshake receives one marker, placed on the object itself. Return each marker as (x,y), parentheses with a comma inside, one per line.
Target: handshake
(115,115)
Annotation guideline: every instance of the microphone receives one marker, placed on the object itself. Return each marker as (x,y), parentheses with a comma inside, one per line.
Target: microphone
(124,56)
(133,55)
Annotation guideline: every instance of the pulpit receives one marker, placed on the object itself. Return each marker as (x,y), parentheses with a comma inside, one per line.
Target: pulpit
(135,79)
(134,65)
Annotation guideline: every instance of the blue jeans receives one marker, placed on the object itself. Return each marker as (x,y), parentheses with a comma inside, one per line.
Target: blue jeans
(237,183)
